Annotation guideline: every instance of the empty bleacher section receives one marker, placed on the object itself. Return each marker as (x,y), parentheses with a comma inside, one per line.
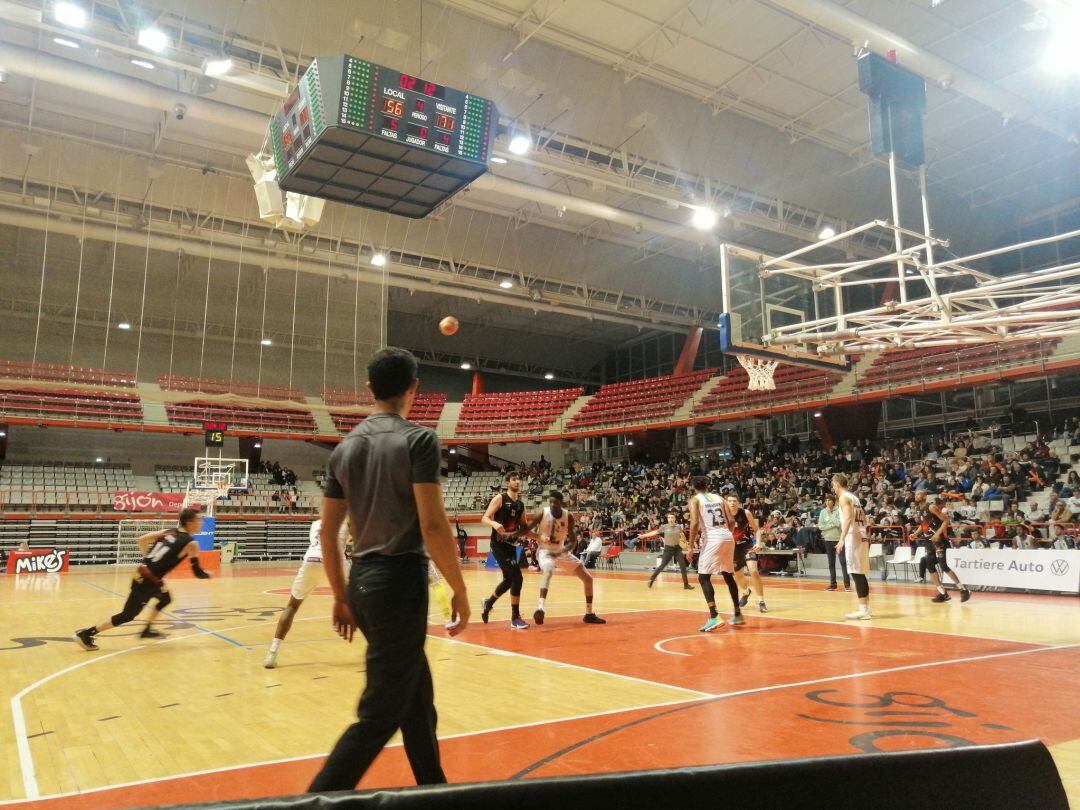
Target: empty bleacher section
(425,411)
(470,493)
(263,496)
(897,368)
(650,400)
(53,372)
(61,487)
(514,412)
(792,383)
(270,420)
(213,385)
(335,397)
(81,405)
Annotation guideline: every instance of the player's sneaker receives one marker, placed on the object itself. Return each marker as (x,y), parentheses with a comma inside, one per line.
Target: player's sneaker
(941,597)
(965,594)
(861,613)
(270,662)
(831,588)
(85,640)
(761,607)
(744,599)
(592,618)
(688,587)
(736,619)
(485,611)
(518,624)
(151,633)
(711,624)
(538,616)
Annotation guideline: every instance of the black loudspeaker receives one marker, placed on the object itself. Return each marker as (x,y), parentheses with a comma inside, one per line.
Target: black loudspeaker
(995,777)
(897,104)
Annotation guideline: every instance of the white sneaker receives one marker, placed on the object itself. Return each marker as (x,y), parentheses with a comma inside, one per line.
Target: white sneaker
(270,662)
(861,613)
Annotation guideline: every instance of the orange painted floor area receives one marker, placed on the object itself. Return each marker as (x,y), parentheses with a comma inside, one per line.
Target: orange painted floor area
(776,688)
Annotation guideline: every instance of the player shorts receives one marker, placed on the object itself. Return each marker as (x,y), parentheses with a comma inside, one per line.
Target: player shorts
(857,553)
(564,561)
(308,577)
(744,552)
(717,556)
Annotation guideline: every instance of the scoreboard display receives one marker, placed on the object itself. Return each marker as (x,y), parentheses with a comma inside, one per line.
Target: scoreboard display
(214,433)
(364,134)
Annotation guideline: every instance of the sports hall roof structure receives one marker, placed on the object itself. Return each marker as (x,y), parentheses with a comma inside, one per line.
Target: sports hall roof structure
(637,110)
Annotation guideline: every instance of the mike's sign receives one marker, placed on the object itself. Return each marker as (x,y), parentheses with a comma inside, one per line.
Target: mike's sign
(38,561)
(147,502)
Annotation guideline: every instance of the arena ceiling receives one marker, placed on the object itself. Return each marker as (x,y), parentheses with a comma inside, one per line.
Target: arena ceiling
(644,106)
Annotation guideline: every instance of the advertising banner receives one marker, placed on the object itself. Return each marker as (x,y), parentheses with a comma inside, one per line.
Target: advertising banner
(1029,569)
(147,501)
(38,561)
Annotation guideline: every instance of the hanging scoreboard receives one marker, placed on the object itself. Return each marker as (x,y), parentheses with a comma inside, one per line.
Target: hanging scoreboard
(367,135)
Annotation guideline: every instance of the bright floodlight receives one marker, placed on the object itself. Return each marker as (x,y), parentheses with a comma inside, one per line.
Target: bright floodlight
(549,376)
(143,64)
(466,366)
(498,159)
(506,284)
(817,414)
(520,144)
(70,14)
(1061,56)
(153,39)
(379,259)
(217,67)
(123,325)
(828,232)
(67,43)
(704,218)
(99,460)
(266,342)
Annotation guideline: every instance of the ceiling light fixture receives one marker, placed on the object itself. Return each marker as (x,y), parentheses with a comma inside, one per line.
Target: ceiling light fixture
(498,159)
(257,445)
(70,14)
(704,218)
(153,39)
(629,442)
(506,284)
(453,451)
(378,259)
(549,376)
(266,342)
(123,325)
(817,414)
(466,366)
(520,144)
(99,460)
(217,67)
(143,64)
(3,434)
(828,232)
(67,43)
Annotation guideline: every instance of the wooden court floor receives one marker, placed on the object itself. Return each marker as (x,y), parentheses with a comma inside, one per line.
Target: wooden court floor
(196,718)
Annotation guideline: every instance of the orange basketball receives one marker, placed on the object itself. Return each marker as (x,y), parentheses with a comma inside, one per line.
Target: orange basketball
(448,325)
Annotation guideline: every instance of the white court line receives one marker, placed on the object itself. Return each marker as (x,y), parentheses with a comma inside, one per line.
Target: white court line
(659,646)
(22,742)
(702,696)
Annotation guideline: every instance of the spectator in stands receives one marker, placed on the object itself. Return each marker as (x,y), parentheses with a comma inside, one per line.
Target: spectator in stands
(593,551)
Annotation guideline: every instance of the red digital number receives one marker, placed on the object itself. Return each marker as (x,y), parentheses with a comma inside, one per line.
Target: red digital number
(391,123)
(407,82)
(429,89)
(423,132)
(420,105)
(444,122)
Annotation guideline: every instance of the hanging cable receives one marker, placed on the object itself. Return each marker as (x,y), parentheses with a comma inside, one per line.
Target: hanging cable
(262,323)
(236,303)
(112,270)
(78,273)
(292,332)
(148,209)
(44,257)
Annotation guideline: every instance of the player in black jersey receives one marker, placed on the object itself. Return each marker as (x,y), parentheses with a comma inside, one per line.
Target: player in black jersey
(936,524)
(163,552)
(744,527)
(505,517)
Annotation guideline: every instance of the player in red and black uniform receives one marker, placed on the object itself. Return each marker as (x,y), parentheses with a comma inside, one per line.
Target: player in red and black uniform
(744,527)
(163,552)
(935,523)
(505,517)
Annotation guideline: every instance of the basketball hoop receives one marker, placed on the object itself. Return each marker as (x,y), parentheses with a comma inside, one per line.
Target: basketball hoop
(205,497)
(760,371)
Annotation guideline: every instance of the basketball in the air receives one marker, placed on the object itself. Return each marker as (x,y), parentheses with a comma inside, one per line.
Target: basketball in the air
(448,325)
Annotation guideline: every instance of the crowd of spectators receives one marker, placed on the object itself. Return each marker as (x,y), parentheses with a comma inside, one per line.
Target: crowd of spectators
(987,491)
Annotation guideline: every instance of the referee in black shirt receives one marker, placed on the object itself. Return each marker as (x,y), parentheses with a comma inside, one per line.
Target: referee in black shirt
(385,476)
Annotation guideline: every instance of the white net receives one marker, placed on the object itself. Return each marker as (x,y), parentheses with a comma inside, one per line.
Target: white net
(760,371)
(205,497)
(127,550)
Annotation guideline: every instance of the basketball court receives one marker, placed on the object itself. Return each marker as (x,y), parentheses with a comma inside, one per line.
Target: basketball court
(198,719)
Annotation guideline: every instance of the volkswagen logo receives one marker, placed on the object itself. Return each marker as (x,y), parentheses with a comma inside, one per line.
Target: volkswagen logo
(1059,567)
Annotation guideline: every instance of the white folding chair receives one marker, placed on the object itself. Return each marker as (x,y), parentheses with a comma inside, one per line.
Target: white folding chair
(902,556)
(877,551)
(920,552)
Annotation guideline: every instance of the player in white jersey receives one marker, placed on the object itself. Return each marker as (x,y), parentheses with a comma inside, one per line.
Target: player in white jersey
(710,531)
(557,535)
(308,576)
(853,543)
